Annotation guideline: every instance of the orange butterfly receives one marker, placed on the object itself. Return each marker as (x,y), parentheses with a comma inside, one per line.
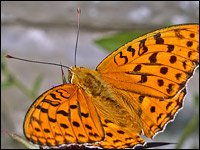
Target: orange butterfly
(135,90)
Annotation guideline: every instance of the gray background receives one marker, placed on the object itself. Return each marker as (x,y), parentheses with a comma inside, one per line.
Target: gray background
(46,31)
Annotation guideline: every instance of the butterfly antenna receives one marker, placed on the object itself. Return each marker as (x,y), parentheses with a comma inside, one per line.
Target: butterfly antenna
(79,13)
(41,62)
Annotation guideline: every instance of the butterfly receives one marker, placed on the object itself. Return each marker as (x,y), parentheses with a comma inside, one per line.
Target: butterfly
(134,91)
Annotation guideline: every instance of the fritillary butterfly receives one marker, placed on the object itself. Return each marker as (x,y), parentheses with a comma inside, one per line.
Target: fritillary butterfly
(135,90)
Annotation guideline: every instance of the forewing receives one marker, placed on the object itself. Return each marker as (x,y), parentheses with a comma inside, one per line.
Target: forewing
(157,64)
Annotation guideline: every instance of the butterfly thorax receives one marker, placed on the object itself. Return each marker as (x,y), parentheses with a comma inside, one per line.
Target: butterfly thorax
(89,80)
(85,78)
(108,104)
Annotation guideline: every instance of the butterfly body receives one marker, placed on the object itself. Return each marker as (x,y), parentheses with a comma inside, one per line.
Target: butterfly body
(137,89)
(108,103)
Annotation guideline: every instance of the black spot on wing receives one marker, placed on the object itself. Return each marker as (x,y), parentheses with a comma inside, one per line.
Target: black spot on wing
(88,126)
(54,96)
(76,124)
(62,112)
(152,58)
(172,59)
(85,115)
(109,134)
(142,47)
(73,106)
(170,48)
(153,109)
(47,130)
(121,56)
(163,70)
(137,68)
(158,39)
(189,44)
(130,49)
(52,103)
(143,79)
(160,82)
(52,119)
(63,125)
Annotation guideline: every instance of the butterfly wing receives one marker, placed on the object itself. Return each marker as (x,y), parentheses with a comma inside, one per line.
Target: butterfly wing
(61,115)
(150,74)
(157,64)
(152,113)
(117,137)
(157,113)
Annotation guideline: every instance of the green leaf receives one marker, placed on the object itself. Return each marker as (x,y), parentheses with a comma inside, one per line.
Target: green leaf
(6,84)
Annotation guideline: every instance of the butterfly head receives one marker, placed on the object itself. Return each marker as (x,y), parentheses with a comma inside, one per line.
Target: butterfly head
(75,74)
(83,77)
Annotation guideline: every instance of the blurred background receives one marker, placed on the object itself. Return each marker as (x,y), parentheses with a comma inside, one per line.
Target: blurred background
(46,31)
